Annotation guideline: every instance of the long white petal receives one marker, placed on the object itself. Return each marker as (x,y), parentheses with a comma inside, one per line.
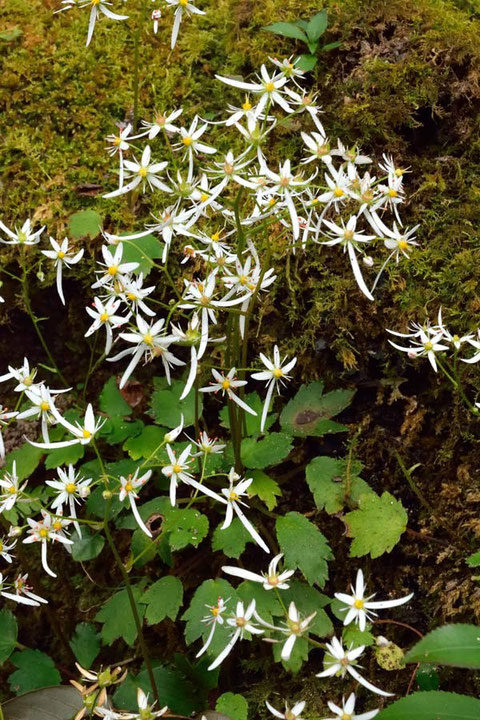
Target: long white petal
(249,527)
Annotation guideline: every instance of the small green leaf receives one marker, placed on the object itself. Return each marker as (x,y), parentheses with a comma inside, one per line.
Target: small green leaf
(111,400)
(85,644)
(457,645)
(473,561)
(427,677)
(142,251)
(309,412)
(433,705)
(304,547)
(317,25)
(143,445)
(35,670)
(11,34)
(174,690)
(232,540)
(117,617)
(270,450)
(233,705)
(8,634)
(26,458)
(83,223)
(87,547)
(265,488)
(331,46)
(64,456)
(166,406)
(352,635)
(376,527)
(334,484)
(306,63)
(163,599)
(286,29)
(185,527)
(116,430)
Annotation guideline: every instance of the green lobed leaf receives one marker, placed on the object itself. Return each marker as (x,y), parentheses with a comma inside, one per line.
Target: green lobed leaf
(232,540)
(352,635)
(317,25)
(306,63)
(304,547)
(142,545)
(265,488)
(144,444)
(111,400)
(36,669)
(83,223)
(174,690)
(473,560)
(167,408)
(185,527)
(309,412)
(27,459)
(286,29)
(117,617)
(8,634)
(87,547)
(267,451)
(332,489)
(143,251)
(163,599)
(207,595)
(64,456)
(457,645)
(85,644)
(432,705)
(377,525)
(116,430)
(233,705)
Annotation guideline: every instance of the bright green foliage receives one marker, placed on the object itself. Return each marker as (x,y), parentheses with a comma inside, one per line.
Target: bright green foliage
(163,599)
(26,457)
(233,705)
(8,634)
(304,547)
(473,560)
(427,677)
(352,635)
(232,540)
(377,525)
(334,484)
(265,488)
(174,689)
(85,643)
(166,406)
(208,594)
(117,617)
(64,456)
(143,546)
(87,547)
(145,444)
(35,670)
(309,412)
(116,430)
(433,705)
(457,645)
(83,223)
(143,251)
(270,450)
(111,400)
(185,527)
(266,603)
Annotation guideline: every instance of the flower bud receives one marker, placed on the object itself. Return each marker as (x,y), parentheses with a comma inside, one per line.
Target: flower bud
(15,531)
(107,494)
(84,491)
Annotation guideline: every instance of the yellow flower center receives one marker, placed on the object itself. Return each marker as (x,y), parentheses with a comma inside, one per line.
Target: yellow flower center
(269,87)
(143,172)
(215,611)
(128,487)
(277,372)
(203,197)
(322,150)
(226,384)
(21,237)
(241,622)
(131,296)
(455,338)
(183,3)
(228,168)
(272,579)
(112,270)
(399,172)
(233,496)
(285,181)
(243,279)
(61,254)
(247,105)
(295,628)
(57,525)
(428,346)
(1,547)
(177,468)
(348,234)
(104,317)
(44,406)
(148,339)
(86,434)
(392,193)
(187,140)
(28,381)
(403,244)
(12,490)
(358,604)
(43,533)
(272,201)
(71,487)
(338,192)
(215,237)
(346,716)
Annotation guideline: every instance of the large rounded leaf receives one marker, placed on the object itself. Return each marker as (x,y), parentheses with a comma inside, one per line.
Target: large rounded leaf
(433,705)
(61,702)
(457,645)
